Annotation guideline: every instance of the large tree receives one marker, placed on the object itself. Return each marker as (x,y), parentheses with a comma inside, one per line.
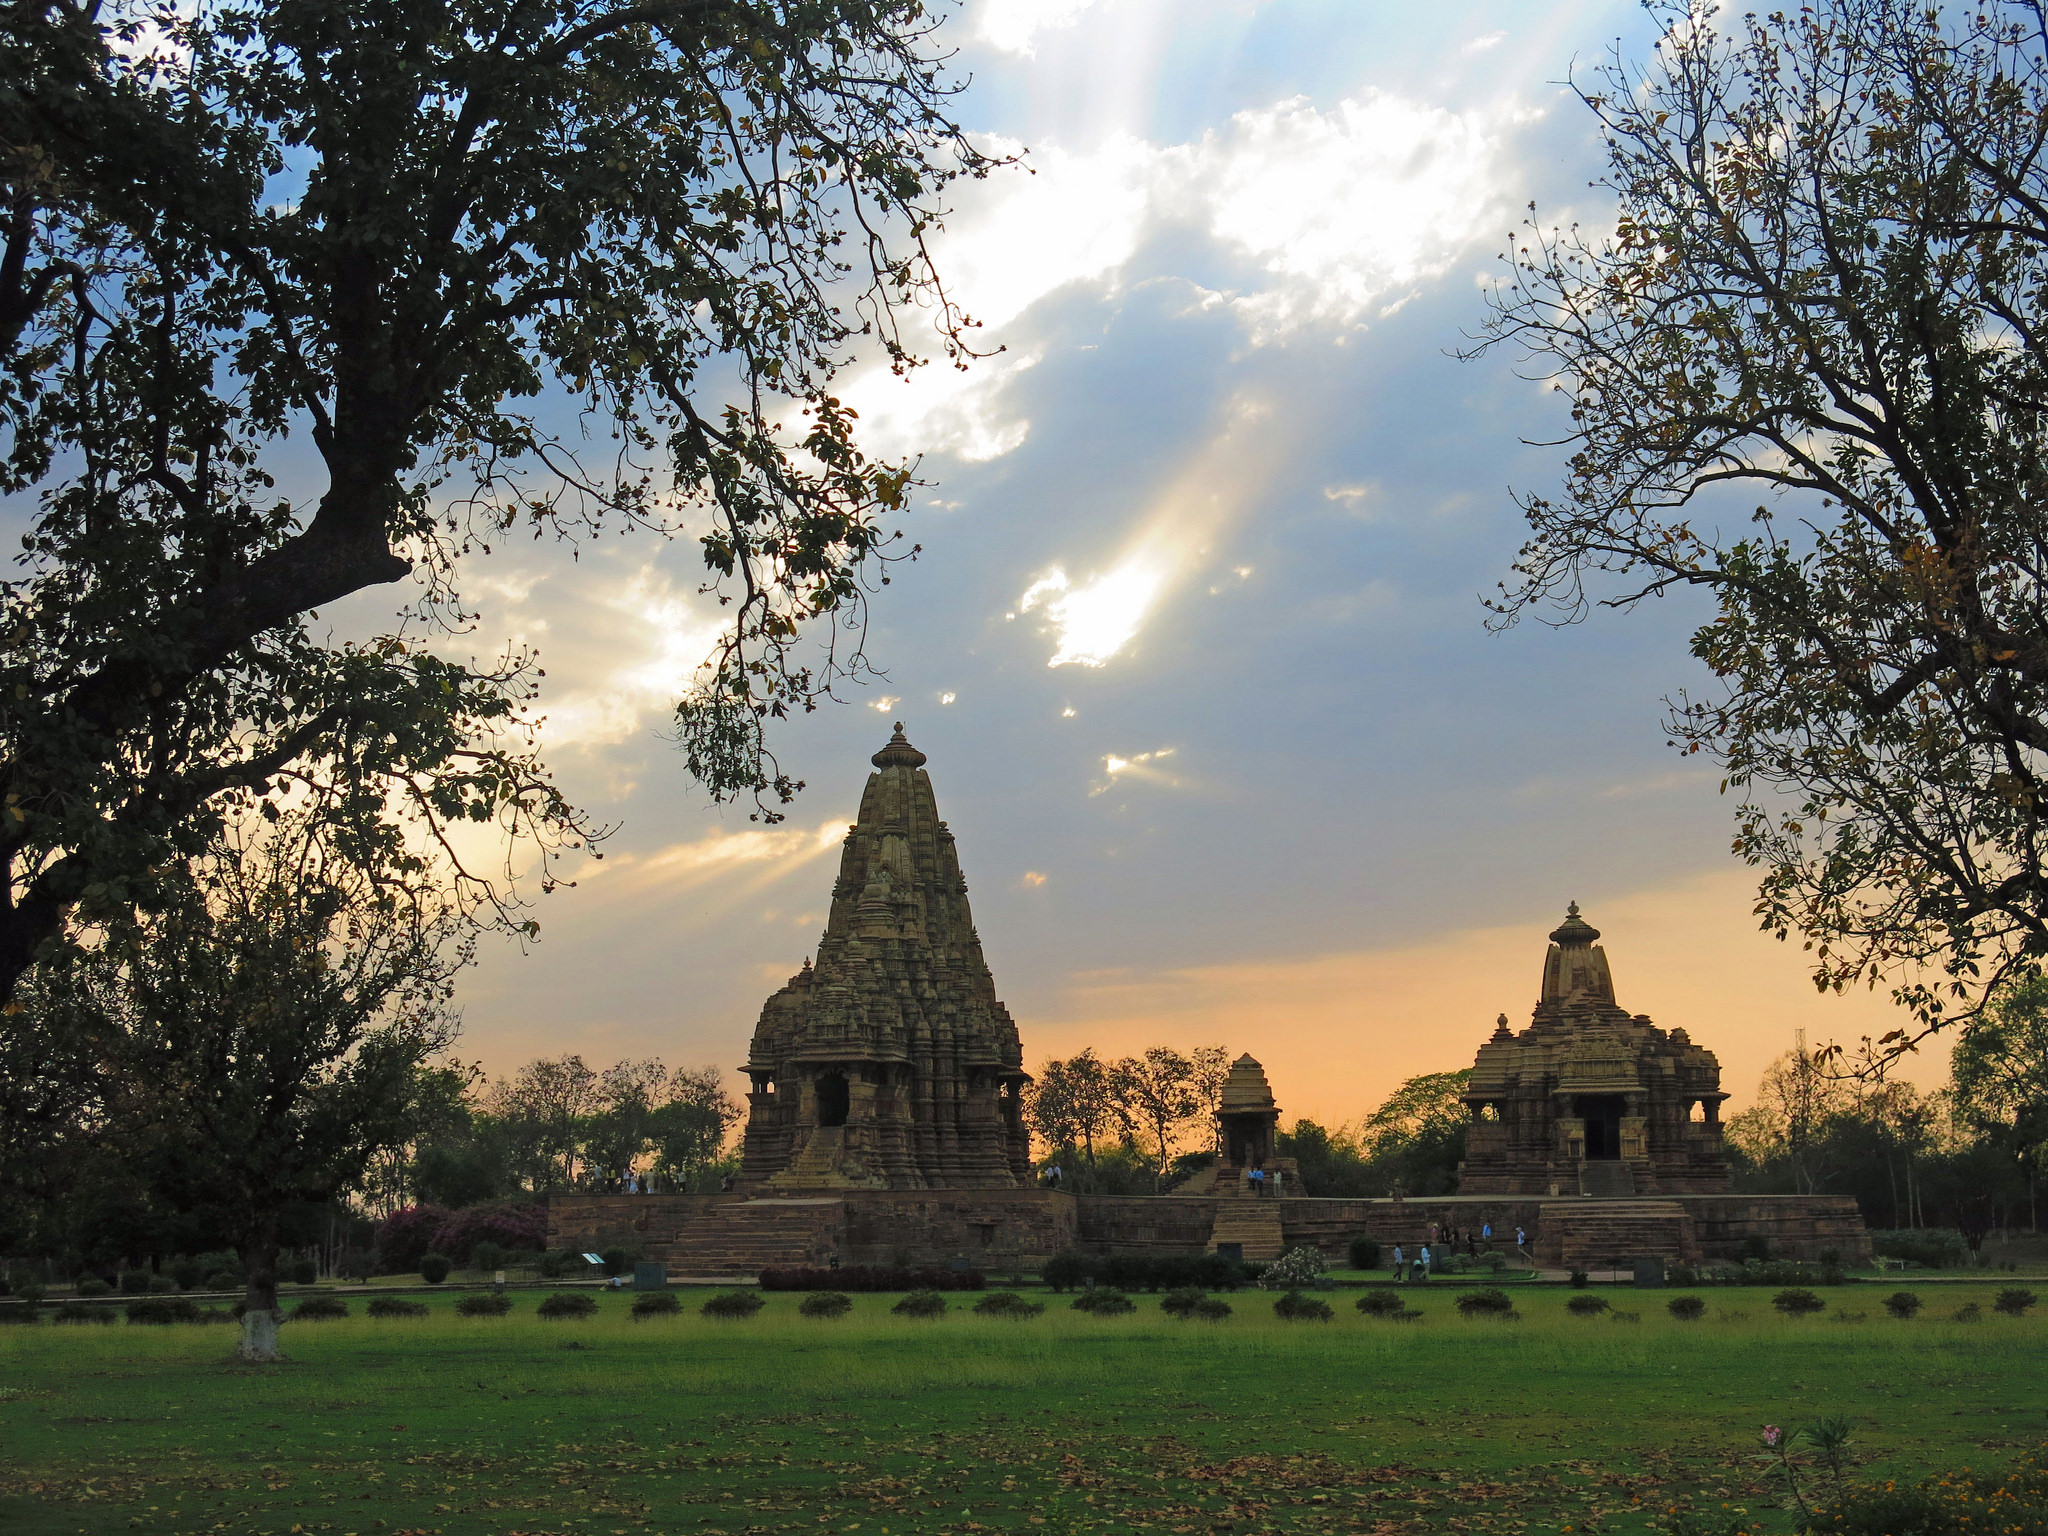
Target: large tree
(489,265)
(260,1037)
(1806,367)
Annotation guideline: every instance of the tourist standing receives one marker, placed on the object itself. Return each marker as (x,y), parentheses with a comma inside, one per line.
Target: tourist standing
(1259,1182)
(1486,1233)
(1422,1262)
(1400,1264)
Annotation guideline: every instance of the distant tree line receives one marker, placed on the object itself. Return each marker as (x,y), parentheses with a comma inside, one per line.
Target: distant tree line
(1966,1156)
(1133,1125)
(561,1124)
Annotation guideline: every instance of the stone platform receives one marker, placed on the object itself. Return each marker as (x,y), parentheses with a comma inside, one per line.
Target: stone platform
(1018,1230)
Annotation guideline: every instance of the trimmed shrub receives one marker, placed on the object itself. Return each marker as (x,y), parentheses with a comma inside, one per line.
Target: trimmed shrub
(563,1304)
(133,1282)
(1583,1306)
(398,1306)
(1969,1312)
(2013,1302)
(1795,1302)
(497,1304)
(1580,1280)
(160,1310)
(1104,1303)
(434,1267)
(162,1285)
(1007,1304)
(187,1273)
(1491,1302)
(302,1272)
(1294,1307)
(734,1304)
(1380,1304)
(81,1312)
(1902,1304)
(1212,1309)
(93,1285)
(318,1309)
(656,1304)
(1181,1302)
(1687,1309)
(921,1304)
(1364,1253)
(873,1277)
(30,1291)
(825,1304)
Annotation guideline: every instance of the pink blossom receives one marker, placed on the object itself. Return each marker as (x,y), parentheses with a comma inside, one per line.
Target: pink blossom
(1772,1435)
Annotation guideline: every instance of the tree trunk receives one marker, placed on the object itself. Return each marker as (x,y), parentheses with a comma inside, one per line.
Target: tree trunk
(260,1315)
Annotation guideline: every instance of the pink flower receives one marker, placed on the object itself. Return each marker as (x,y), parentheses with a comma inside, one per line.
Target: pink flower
(1773,1435)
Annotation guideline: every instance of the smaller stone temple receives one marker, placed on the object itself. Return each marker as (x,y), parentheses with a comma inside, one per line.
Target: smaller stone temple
(1591,1099)
(890,1064)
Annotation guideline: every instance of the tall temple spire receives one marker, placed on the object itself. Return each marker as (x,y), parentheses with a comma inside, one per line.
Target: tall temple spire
(891,1064)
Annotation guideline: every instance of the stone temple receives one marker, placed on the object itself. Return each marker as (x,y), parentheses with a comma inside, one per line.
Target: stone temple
(885,1121)
(1590,1099)
(890,1064)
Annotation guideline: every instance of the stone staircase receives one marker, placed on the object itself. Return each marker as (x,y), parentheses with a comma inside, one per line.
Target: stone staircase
(1613,1234)
(744,1237)
(1607,1180)
(1251,1222)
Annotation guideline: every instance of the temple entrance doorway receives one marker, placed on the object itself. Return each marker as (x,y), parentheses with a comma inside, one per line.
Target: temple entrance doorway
(1602,1114)
(833,1099)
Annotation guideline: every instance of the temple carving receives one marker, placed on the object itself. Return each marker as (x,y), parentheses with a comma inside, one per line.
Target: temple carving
(890,1063)
(1590,1099)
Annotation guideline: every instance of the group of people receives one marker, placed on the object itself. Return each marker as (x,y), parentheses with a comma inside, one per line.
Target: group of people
(1261,1183)
(1444,1240)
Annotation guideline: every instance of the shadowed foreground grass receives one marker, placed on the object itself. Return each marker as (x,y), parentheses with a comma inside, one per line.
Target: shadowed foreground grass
(1060,1423)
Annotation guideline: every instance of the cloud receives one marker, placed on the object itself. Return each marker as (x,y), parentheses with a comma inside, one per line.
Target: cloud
(1097,619)
(1014,25)
(1485,42)
(772,851)
(1342,213)
(1140,765)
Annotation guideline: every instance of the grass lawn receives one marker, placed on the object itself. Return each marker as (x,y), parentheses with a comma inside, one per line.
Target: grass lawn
(1059,1423)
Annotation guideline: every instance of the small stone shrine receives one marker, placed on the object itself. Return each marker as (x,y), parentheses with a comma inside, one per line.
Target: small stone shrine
(1590,1099)
(889,1064)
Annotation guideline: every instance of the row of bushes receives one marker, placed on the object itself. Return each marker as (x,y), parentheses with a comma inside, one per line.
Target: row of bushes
(1753,1272)
(195,1272)
(407,1236)
(873,1277)
(1069,1270)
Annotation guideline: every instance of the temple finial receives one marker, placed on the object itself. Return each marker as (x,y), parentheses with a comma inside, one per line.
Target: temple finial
(899,753)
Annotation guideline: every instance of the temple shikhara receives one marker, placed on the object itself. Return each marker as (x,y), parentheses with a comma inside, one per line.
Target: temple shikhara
(1591,1099)
(885,1121)
(890,1063)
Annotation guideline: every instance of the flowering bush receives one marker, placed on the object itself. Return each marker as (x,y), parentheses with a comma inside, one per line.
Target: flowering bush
(1948,1504)
(406,1236)
(511,1228)
(1294,1269)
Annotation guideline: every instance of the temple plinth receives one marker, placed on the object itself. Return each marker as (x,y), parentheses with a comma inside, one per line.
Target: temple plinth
(1591,1099)
(890,1063)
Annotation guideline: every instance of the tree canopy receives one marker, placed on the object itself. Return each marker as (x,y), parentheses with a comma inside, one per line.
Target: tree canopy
(494,267)
(1807,373)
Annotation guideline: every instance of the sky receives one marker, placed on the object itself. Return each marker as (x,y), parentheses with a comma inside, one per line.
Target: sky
(1195,646)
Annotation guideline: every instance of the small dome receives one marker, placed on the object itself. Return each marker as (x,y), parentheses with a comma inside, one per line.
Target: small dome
(1574,930)
(898,753)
